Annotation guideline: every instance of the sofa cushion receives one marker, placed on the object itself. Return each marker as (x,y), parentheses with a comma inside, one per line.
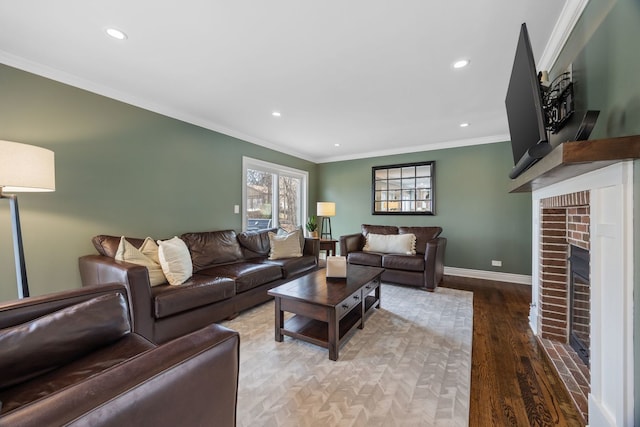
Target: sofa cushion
(403,262)
(404,244)
(365,258)
(212,247)
(175,260)
(379,229)
(246,275)
(108,245)
(87,326)
(255,243)
(146,256)
(423,235)
(285,245)
(74,372)
(293,266)
(198,291)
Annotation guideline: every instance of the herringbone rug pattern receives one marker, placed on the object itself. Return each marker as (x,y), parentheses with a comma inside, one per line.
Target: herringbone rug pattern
(409,366)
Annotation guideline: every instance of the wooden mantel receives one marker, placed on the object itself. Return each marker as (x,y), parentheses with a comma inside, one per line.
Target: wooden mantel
(575,158)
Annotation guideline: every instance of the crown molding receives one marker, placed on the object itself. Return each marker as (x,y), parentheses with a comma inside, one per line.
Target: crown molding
(109,92)
(419,148)
(567,20)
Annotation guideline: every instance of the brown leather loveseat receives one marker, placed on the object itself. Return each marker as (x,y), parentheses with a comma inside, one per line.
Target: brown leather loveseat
(231,273)
(73,358)
(424,269)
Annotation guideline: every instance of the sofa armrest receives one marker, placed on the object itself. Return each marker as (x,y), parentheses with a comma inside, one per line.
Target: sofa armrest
(311,247)
(16,312)
(351,243)
(98,270)
(434,262)
(188,381)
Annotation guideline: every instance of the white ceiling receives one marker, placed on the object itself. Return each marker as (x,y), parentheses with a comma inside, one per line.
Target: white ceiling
(374,76)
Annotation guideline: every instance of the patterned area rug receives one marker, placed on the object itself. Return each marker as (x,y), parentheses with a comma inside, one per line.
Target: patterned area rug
(409,366)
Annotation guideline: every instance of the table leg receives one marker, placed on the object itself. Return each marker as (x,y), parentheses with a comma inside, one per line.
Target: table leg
(279,320)
(334,335)
(363,296)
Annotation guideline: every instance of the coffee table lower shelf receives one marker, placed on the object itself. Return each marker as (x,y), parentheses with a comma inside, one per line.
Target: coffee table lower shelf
(317,332)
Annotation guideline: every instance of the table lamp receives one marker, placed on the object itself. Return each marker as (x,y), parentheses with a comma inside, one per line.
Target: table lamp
(23,168)
(326,210)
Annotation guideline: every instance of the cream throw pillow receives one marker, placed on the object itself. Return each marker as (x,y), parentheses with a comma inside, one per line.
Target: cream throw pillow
(404,244)
(285,245)
(146,256)
(175,260)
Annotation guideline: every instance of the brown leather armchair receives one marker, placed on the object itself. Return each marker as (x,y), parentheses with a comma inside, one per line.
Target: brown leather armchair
(425,269)
(71,358)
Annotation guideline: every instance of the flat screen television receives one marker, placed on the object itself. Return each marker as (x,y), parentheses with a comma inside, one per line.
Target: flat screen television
(525,112)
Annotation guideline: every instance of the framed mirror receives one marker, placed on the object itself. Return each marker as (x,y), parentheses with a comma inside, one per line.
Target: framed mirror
(404,189)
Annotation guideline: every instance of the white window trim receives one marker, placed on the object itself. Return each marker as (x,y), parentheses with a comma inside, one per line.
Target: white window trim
(251,163)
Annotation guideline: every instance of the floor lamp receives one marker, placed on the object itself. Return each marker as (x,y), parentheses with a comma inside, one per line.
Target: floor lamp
(23,168)
(326,210)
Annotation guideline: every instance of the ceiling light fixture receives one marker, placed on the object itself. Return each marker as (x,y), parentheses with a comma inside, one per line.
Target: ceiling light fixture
(464,125)
(336,145)
(276,114)
(116,34)
(461,63)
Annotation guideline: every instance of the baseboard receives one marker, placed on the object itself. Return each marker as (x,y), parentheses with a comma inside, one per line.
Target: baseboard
(488,275)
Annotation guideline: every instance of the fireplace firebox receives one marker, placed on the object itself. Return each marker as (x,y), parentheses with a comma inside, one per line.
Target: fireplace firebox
(579,302)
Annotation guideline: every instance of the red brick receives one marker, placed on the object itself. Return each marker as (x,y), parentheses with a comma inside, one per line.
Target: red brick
(553,240)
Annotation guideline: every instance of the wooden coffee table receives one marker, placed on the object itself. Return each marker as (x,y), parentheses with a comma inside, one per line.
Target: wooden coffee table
(327,311)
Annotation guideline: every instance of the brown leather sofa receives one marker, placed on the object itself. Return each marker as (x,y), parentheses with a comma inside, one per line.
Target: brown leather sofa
(424,269)
(71,358)
(232,273)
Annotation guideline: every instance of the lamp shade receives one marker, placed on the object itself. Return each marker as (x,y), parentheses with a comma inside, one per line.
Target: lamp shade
(326,209)
(26,168)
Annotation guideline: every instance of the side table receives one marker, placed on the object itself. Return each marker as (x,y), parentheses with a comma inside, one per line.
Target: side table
(328,245)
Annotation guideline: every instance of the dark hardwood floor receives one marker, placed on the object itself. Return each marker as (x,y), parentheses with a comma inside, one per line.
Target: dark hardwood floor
(511,381)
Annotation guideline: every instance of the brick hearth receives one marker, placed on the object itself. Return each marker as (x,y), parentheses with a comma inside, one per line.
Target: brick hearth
(565,220)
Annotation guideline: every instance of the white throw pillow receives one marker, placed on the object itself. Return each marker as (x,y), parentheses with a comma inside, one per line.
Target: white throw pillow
(404,244)
(146,256)
(285,245)
(175,260)
(150,249)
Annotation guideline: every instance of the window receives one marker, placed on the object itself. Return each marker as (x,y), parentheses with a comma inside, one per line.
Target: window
(273,196)
(406,189)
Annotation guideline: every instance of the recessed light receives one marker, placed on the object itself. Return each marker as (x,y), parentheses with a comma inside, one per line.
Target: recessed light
(276,114)
(464,125)
(336,145)
(461,63)
(116,33)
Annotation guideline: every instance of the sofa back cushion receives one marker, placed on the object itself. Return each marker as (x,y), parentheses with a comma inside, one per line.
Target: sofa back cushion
(423,235)
(212,247)
(108,245)
(379,229)
(256,243)
(32,348)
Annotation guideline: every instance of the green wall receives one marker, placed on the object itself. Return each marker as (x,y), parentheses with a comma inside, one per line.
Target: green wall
(603,51)
(119,170)
(481,220)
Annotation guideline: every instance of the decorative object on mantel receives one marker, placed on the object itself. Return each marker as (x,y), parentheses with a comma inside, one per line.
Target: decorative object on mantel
(336,267)
(574,158)
(312,227)
(403,189)
(23,168)
(326,210)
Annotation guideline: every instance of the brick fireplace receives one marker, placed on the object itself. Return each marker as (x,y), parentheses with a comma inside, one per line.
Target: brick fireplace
(564,222)
(593,211)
